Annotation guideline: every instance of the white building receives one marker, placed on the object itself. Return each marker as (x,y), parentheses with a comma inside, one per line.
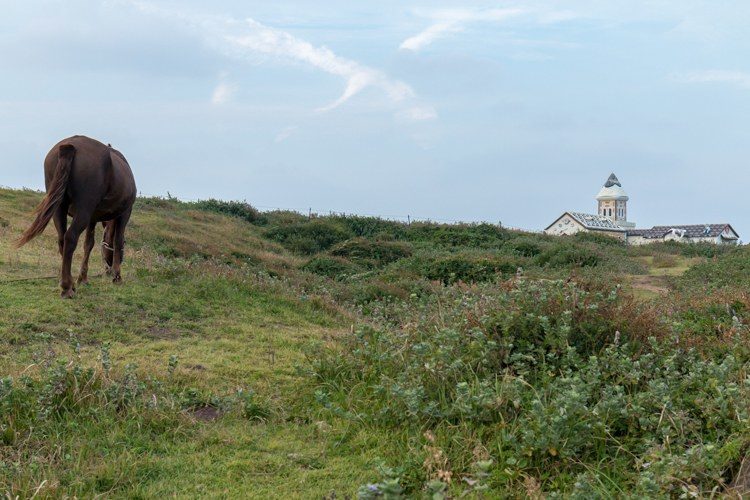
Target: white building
(612,219)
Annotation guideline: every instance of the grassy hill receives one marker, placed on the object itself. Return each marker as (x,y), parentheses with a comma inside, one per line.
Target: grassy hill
(275,355)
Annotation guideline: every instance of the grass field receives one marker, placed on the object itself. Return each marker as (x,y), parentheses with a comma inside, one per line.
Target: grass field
(286,358)
(228,329)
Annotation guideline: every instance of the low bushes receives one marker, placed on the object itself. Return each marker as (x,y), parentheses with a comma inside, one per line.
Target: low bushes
(564,254)
(311,237)
(240,209)
(731,269)
(582,390)
(469,269)
(372,253)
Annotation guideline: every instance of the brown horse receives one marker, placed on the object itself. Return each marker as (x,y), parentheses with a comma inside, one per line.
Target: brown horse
(91,182)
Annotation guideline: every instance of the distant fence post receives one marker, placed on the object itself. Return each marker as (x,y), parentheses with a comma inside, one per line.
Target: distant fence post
(408,220)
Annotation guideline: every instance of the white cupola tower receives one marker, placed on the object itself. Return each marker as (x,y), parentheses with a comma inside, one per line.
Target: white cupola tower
(613,202)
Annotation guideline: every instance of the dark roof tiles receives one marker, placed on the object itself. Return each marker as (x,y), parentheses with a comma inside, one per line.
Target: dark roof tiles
(593,221)
(690,231)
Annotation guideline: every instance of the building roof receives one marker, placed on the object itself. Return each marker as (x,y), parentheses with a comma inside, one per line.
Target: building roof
(595,222)
(612,190)
(688,231)
(612,181)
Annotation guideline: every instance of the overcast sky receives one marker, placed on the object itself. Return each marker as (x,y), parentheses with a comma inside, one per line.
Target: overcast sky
(495,111)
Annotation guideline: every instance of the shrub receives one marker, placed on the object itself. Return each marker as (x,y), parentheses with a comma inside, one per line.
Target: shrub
(469,269)
(527,247)
(598,239)
(375,253)
(550,381)
(459,235)
(564,254)
(309,238)
(242,210)
(729,270)
(372,227)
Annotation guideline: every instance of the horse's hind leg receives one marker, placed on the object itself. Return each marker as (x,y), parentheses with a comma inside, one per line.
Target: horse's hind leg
(88,246)
(118,243)
(80,222)
(60,218)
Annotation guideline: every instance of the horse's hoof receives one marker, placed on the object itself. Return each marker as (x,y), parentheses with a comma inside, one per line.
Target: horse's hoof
(117,279)
(68,294)
(83,281)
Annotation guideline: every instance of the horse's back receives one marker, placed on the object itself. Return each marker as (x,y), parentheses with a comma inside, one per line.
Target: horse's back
(100,176)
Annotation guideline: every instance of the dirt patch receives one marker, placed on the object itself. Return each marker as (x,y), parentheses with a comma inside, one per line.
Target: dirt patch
(652,284)
(197,368)
(206,414)
(160,332)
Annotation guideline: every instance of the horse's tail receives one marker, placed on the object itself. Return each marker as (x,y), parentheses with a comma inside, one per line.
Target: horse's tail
(55,194)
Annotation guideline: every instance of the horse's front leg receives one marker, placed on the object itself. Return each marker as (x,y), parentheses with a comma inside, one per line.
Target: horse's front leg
(83,278)
(119,246)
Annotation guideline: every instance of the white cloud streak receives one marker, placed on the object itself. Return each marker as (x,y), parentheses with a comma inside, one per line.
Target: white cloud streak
(265,40)
(418,113)
(736,78)
(451,21)
(250,39)
(285,134)
(223,93)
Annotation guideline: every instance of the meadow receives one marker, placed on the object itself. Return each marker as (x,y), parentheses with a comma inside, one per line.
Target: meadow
(277,355)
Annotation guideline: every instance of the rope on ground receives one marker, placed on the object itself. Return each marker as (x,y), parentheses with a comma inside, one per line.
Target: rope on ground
(40,278)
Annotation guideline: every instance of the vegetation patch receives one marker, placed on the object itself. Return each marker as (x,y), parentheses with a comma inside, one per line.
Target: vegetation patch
(308,238)
(372,253)
(579,390)
(279,354)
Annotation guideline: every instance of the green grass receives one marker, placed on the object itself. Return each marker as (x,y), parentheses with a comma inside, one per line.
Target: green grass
(228,326)
(272,355)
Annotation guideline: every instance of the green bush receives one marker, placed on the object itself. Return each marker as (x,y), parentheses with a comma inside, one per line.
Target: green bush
(459,235)
(563,254)
(598,239)
(375,253)
(372,227)
(311,237)
(731,269)
(548,380)
(242,210)
(469,269)
(527,247)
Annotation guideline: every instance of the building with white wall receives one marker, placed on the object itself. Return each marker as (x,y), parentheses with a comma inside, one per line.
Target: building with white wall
(612,219)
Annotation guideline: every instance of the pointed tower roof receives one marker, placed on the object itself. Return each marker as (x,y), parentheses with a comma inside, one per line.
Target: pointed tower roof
(612,190)
(612,181)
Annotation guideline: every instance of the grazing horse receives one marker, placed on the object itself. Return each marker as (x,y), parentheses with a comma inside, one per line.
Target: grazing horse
(91,182)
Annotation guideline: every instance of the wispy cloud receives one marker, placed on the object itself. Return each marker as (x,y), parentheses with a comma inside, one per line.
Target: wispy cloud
(262,39)
(250,40)
(451,21)
(736,78)
(285,133)
(418,113)
(223,92)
